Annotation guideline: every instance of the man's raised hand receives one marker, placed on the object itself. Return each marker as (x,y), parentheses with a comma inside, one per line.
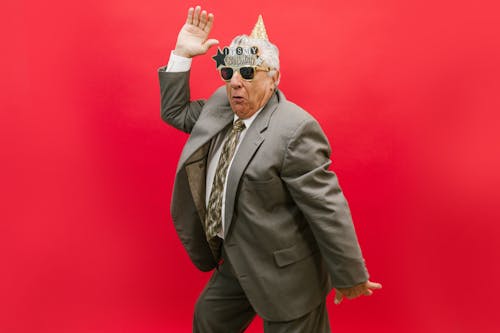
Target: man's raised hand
(193,37)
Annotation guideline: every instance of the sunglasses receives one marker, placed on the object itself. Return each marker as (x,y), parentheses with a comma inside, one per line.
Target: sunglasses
(246,72)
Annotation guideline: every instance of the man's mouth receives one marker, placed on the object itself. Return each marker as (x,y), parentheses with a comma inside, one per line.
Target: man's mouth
(237,99)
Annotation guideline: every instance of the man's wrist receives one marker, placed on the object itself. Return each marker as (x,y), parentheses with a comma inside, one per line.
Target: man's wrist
(178,63)
(181,53)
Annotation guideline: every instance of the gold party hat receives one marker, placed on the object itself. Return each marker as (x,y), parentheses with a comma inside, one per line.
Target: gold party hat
(259,31)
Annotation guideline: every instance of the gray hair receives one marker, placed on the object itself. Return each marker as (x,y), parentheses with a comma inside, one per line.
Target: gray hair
(269,52)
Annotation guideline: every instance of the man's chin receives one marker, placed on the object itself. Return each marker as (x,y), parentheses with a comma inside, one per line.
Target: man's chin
(239,110)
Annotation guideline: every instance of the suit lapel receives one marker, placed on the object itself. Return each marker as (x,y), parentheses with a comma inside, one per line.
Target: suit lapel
(196,169)
(195,152)
(251,142)
(211,122)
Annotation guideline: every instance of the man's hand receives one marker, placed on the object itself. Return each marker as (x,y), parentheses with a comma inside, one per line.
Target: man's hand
(365,288)
(193,37)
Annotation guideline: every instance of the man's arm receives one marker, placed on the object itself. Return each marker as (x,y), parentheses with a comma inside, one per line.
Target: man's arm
(317,193)
(176,108)
(192,40)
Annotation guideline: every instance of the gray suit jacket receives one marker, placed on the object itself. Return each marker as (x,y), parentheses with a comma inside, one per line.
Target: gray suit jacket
(289,233)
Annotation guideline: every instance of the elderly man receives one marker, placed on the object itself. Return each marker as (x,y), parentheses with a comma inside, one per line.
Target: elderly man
(253,196)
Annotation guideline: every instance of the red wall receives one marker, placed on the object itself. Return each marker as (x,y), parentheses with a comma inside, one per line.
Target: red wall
(407,91)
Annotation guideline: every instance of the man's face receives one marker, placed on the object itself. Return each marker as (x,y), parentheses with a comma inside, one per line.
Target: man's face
(246,97)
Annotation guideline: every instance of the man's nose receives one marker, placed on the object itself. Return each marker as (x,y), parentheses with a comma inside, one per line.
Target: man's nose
(236,80)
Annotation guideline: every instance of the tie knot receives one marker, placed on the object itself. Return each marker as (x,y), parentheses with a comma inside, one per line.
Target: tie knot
(239,125)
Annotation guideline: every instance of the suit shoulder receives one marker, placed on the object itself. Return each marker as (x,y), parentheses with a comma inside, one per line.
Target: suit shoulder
(290,117)
(219,96)
(215,102)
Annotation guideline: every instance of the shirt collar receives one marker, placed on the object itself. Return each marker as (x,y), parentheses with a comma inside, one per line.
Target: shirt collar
(248,121)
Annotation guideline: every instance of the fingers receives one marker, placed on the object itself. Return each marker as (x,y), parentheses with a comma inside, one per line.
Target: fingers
(338,297)
(210,22)
(373,285)
(365,289)
(368,286)
(200,18)
(209,43)
(352,292)
(203,19)
(189,19)
(196,17)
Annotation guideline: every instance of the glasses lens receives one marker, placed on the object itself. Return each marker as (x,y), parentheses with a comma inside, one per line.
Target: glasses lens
(247,72)
(226,73)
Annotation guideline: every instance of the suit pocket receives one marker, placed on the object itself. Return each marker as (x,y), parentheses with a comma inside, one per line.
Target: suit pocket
(290,255)
(261,184)
(265,194)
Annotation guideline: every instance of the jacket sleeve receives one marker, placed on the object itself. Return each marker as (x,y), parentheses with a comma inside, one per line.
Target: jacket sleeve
(176,108)
(317,193)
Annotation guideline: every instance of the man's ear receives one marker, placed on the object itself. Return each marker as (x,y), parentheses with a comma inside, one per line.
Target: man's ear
(276,77)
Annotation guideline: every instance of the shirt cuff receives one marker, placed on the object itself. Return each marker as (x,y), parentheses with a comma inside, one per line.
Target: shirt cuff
(178,64)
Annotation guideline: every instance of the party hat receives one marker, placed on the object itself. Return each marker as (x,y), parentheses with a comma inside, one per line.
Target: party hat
(259,31)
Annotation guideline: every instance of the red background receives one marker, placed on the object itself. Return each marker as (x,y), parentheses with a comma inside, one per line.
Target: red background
(407,92)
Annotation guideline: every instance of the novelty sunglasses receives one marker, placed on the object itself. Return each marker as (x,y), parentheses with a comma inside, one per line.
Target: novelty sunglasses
(246,72)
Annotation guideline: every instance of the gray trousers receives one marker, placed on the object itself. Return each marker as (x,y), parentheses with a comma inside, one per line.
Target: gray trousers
(224,308)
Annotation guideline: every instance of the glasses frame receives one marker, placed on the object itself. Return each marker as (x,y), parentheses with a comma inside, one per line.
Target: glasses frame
(238,68)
